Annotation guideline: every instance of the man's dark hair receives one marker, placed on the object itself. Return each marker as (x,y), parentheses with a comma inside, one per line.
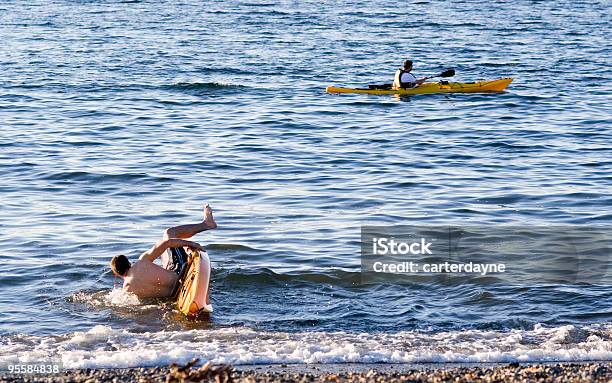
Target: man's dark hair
(407,64)
(120,265)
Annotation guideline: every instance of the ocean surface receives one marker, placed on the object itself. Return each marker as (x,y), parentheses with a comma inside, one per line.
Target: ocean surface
(119,119)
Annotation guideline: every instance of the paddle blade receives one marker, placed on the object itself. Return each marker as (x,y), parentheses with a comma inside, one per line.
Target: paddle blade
(448,73)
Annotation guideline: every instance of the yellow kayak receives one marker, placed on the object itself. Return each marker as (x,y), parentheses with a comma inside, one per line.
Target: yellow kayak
(434,87)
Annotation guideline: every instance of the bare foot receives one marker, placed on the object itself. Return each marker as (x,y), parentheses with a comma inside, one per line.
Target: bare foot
(208,218)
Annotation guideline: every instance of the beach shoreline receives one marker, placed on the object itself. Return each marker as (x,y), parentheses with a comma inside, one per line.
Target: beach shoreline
(425,372)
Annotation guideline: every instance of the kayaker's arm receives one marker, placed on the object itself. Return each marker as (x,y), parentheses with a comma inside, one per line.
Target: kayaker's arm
(158,249)
(415,84)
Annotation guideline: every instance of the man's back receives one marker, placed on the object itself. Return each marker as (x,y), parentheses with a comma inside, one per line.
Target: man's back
(148,280)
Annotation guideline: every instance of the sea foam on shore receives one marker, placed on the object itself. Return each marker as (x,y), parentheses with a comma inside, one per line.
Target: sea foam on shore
(105,347)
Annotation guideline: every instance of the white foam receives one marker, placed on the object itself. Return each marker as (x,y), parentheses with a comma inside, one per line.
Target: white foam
(112,298)
(103,346)
(120,297)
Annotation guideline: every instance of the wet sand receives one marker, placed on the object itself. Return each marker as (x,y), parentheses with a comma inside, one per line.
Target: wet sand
(553,372)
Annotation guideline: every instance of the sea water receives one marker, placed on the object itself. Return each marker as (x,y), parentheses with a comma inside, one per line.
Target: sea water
(121,118)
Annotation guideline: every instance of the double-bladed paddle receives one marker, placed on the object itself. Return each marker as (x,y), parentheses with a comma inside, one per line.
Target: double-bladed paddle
(446,73)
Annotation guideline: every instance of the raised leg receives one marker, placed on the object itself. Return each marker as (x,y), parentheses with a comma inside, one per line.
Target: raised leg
(189,230)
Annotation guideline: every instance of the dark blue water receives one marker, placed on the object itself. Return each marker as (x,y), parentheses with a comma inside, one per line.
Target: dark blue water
(120,119)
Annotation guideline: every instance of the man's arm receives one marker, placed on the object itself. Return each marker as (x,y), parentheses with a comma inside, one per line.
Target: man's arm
(158,249)
(421,80)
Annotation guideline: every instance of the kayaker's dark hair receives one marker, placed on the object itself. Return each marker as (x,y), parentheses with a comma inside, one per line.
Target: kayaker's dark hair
(120,265)
(407,64)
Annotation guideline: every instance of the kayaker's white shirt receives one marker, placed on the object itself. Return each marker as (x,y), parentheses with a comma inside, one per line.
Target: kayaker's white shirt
(406,77)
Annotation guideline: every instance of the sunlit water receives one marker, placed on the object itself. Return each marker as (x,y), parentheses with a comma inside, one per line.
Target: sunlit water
(119,119)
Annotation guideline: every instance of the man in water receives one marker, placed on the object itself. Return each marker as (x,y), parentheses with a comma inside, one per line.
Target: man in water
(404,79)
(148,280)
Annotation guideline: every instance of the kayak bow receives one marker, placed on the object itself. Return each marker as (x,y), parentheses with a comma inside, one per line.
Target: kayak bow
(434,87)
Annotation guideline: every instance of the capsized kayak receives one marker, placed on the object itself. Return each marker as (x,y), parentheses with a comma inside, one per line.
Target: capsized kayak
(434,87)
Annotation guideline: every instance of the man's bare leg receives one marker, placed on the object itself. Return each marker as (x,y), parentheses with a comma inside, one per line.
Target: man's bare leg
(189,230)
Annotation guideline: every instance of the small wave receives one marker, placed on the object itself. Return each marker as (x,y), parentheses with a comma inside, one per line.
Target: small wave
(264,4)
(229,247)
(514,146)
(265,276)
(68,176)
(204,86)
(103,346)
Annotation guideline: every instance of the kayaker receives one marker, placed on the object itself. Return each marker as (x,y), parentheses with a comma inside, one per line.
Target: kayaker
(405,79)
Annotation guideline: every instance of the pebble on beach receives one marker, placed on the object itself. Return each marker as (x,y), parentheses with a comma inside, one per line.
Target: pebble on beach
(558,373)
